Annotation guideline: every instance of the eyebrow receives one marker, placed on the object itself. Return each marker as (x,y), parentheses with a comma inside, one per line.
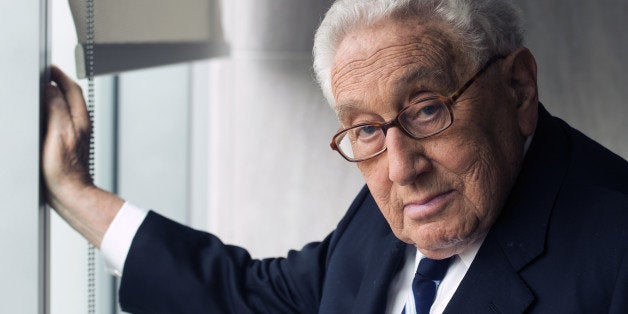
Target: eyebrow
(423,73)
(345,110)
(419,73)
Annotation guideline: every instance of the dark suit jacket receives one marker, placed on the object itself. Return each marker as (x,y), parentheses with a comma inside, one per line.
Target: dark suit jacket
(559,246)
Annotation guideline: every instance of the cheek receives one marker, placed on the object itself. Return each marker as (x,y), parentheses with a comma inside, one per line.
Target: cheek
(461,155)
(375,173)
(485,160)
(472,165)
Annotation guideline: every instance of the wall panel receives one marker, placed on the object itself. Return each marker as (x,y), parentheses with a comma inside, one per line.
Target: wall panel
(21,60)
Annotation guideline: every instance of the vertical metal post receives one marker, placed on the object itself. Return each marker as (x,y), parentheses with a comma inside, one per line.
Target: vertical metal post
(44,211)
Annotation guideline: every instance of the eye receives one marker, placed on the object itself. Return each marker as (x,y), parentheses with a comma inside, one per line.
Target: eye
(366,131)
(426,117)
(365,134)
(429,110)
(425,110)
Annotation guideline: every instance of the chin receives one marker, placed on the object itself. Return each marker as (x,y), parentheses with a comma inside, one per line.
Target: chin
(442,246)
(445,250)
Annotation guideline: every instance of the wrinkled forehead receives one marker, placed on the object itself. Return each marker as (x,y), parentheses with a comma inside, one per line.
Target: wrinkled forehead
(388,55)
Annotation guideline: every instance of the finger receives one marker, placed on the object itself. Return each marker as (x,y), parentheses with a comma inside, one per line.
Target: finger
(56,109)
(58,122)
(74,97)
(66,148)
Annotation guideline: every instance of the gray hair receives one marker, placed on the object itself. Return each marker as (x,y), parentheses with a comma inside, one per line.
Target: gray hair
(484,28)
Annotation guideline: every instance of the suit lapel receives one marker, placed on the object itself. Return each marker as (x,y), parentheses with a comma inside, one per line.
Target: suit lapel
(493,283)
(490,286)
(385,259)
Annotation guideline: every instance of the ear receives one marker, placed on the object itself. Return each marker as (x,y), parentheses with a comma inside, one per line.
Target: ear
(520,67)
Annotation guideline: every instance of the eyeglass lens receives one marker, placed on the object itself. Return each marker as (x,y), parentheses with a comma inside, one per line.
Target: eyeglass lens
(424,118)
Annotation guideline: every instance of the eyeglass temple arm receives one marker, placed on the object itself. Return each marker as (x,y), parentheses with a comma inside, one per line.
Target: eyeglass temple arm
(492,60)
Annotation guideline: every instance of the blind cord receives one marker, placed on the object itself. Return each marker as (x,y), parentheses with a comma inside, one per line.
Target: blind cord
(91,269)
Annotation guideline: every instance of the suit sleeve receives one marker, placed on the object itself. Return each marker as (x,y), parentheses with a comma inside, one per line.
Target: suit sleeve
(175,269)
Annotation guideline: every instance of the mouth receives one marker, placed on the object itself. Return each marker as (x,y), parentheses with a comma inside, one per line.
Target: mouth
(427,207)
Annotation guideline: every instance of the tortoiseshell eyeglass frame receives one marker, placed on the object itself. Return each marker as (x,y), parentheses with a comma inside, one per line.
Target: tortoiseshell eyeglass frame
(448,101)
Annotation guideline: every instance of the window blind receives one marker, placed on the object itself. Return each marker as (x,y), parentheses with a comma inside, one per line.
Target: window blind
(138,34)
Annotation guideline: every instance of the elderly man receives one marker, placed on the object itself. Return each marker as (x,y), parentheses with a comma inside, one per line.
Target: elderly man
(478,200)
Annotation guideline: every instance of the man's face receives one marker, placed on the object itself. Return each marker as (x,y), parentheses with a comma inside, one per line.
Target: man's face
(443,192)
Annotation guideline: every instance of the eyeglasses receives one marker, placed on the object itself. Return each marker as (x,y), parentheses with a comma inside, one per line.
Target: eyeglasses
(426,117)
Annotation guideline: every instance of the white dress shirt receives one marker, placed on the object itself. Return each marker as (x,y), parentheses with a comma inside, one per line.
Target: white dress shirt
(117,240)
(400,290)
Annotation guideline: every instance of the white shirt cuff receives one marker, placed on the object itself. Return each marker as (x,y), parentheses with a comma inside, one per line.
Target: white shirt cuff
(117,240)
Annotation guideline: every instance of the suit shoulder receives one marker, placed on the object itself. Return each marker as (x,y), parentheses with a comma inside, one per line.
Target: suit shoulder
(361,204)
(362,214)
(593,164)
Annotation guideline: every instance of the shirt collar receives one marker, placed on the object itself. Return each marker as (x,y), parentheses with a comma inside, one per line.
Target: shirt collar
(469,254)
(466,257)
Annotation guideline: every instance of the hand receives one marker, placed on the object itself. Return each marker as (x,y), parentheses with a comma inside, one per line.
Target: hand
(65,161)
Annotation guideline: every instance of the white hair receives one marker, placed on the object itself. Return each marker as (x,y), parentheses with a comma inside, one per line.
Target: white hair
(483,28)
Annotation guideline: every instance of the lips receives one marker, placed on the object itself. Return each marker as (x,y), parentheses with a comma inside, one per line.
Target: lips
(428,206)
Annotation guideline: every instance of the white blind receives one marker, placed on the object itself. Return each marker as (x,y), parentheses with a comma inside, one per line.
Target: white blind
(134,34)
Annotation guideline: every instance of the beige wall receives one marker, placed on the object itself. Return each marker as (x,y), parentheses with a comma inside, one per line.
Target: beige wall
(582,53)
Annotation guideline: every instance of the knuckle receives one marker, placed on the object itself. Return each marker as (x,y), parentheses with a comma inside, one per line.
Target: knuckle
(52,93)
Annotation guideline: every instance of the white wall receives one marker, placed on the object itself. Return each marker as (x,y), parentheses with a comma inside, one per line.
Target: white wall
(581,49)
(19,138)
(274,183)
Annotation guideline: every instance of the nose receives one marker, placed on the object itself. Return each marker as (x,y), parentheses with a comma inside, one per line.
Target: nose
(406,158)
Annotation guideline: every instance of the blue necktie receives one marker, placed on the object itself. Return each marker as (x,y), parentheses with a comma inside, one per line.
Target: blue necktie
(428,275)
